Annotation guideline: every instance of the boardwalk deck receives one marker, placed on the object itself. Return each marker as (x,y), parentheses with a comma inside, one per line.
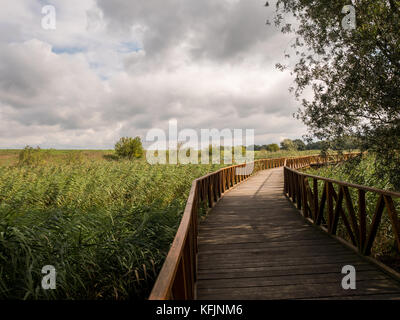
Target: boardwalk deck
(255,245)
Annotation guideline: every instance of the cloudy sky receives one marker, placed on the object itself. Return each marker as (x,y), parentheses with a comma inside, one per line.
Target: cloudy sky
(123,67)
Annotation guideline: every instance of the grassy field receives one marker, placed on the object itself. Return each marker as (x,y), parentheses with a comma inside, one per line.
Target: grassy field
(105,225)
(362,172)
(10,157)
(358,171)
(263,154)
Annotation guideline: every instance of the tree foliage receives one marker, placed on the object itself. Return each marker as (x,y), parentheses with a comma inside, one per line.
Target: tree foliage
(129,148)
(354,74)
(273,147)
(31,157)
(299,144)
(288,144)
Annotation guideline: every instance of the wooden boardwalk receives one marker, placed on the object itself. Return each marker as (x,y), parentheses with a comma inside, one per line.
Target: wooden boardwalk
(255,245)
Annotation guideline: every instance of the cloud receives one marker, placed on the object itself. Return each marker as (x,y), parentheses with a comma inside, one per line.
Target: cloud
(115,68)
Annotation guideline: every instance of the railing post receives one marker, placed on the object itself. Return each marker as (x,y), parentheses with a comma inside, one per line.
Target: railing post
(329,195)
(285,189)
(362,215)
(210,192)
(316,198)
(179,290)
(298,192)
(304,196)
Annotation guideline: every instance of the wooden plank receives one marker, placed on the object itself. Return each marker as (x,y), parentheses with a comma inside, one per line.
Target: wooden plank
(343,259)
(205,227)
(239,247)
(255,231)
(383,296)
(269,253)
(318,290)
(251,272)
(287,280)
(256,238)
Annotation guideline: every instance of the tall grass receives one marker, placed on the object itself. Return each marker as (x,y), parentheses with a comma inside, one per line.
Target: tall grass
(359,170)
(264,154)
(105,226)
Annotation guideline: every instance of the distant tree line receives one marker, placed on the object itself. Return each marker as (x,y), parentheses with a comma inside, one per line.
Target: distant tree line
(344,143)
(286,144)
(132,148)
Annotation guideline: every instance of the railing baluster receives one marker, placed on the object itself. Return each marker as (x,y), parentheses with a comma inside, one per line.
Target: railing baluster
(321,207)
(338,210)
(393,218)
(329,196)
(362,216)
(304,197)
(316,195)
(374,226)
(353,218)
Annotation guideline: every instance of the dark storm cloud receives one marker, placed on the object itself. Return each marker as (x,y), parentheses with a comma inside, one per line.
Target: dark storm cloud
(214,29)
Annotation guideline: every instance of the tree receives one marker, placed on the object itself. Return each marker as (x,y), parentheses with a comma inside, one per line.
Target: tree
(299,144)
(317,145)
(354,74)
(129,148)
(273,147)
(30,156)
(346,142)
(287,144)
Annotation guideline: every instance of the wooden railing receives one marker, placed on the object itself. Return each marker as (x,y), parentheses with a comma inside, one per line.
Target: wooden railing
(302,162)
(329,203)
(177,277)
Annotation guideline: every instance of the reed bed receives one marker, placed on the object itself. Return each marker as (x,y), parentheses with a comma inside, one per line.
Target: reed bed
(105,226)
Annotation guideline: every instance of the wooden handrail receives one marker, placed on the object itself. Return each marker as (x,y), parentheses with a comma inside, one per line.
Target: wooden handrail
(334,206)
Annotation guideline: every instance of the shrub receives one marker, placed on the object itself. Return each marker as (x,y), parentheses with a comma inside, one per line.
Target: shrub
(74,157)
(299,144)
(273,147)
(129,148)
(30,156)
(287,144)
